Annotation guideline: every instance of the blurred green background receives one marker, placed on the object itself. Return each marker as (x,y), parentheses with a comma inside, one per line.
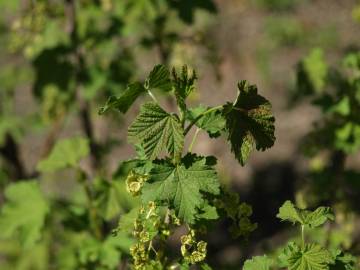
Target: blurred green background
(61,59)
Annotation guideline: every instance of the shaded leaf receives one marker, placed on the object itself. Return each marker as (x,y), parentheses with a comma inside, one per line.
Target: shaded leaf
(343,261)
(249,122)
(127,98)
(159,78)
(184,85)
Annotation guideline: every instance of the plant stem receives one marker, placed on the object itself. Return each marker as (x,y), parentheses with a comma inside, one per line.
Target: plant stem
(152,96)
(199,117)
(303,236)
(93,213)
(194,139)
(151,247)
(182,117)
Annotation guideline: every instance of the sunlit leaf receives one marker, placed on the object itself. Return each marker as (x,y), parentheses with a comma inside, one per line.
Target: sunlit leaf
(289,212)
(157,130)
(182,184)
(258,263)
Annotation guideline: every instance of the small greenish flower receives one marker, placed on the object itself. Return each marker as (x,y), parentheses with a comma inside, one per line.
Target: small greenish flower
(186,239)
(144,237)
(134,182)
(192,251)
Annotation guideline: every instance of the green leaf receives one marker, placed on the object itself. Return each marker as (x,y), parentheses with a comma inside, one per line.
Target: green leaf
(24,212)
(111,199)
(65,153)
(105,254)
(213,123)
(184,85)
(311,257)
(347,137)
(159,78)
(316,69)
(182,184)
(258,263)
(288,212)
(205,266)
(343,261)
(312,219)
(208,212)
(157,130)
(126,223)
(249,122)
(343,107)
(319,216)
(127,98)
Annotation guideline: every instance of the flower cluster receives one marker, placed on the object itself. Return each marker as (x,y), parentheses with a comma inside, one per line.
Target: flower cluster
(134,182)
(193,251)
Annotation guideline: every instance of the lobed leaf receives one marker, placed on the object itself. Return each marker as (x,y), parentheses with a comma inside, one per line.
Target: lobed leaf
(125,100)
(184,85)
(182,184)
(258,263)
(208,212)
(311,257)
(157,130)
(159,78)
(319,217)
(249,122)
(288,212)
(312,219)
(343,261)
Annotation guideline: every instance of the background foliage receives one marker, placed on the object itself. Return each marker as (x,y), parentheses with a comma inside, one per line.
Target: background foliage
(63,168)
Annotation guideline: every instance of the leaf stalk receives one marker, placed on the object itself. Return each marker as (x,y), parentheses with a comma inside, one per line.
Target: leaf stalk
(194,139)
(152,96)
(186,131)
(302,236)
